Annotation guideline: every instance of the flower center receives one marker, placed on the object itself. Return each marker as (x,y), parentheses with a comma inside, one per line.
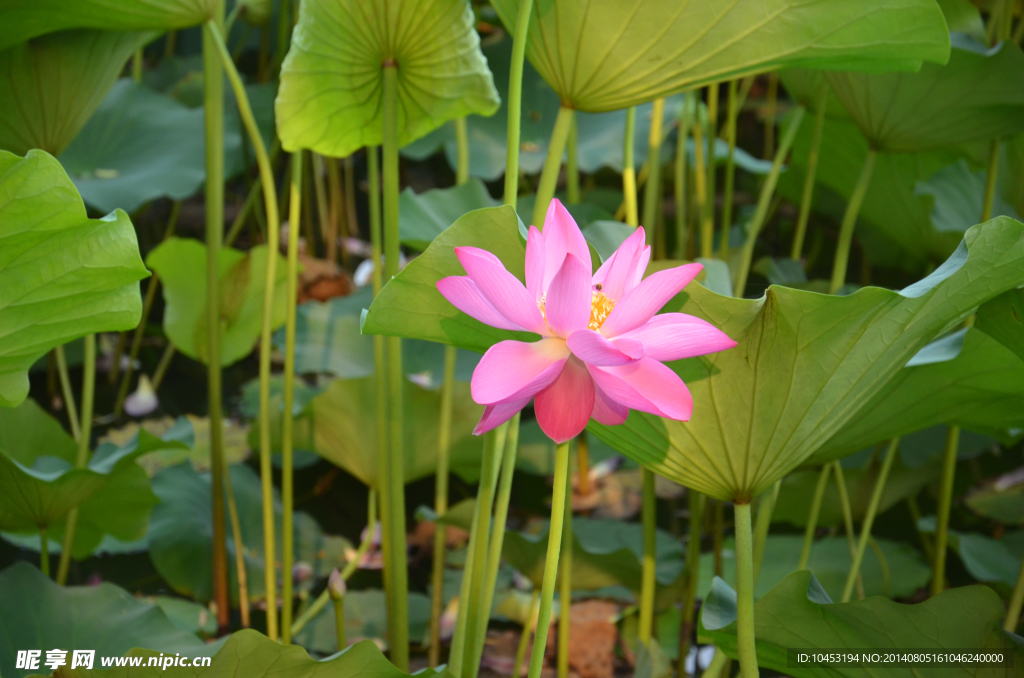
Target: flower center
(600,307)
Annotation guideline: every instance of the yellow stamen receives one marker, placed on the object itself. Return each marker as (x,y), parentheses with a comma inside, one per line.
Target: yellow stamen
(600,307)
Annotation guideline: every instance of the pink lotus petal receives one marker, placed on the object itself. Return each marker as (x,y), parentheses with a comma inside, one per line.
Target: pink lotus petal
(498,414)
(535,264)
(594,349)
(674,336)
(640,304)
(567,308)
(561,236)
(564,408)
(631,347)
(608,411)
(620,267)
(637,273)
(517,369)
(464,295)
(501,288)
(648,386)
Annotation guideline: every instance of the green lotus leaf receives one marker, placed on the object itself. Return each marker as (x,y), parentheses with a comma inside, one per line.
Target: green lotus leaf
(964,17)
(181,264)
(342,436)
(366,618)
(614,55)
(189,438)
(959,194)
(980,387)
(51,85)
(26,19)
(1003,320)
(36,613)
(331,94)
(1001,500)
(799,614)
(903,571)
(180,533)
(805,365)
(62,275)
(978,95)
(41,484)
(992,561)
(187,615)
(423,216)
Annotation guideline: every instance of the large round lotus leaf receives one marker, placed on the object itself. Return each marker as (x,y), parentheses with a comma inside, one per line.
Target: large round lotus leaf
(331,93)
(36,613)
(1001,500)
(903,572)
(344,433)
(181,264)
(1002,319)
(959,197)
(180,532)
(62,275)
(798,613)
(26,19)
(611,55)
(967,379)
(51,85)
(978,95)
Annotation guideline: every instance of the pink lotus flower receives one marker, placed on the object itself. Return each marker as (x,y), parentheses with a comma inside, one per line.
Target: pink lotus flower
(602,345)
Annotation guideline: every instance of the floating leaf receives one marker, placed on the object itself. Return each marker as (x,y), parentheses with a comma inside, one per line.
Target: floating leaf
(181,264)
(36,613)
(366,618)
(799,614)
(62,275)
(331,94)
(610,56)
(423,216)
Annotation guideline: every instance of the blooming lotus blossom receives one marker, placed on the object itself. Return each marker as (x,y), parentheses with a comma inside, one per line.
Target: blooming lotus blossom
(602,347)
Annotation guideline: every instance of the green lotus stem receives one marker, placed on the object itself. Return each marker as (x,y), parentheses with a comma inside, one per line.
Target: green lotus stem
(161,367)
(883,563)
(844,502)
(700,189)
(462,153)
(497,536)
(629,168)
(764,202)
(807,198)
(462,650)
(524,637)
(849,221)
(679,184)
(44,551)
(942,512)
(152,285)
(732,112)
(572,166)
(697,502)
(712,159)
(212,35)
(652,192)
(398,623)
(137,65)
(547,590)
(69,396)
(649,519)
(915,515)
(515,102)
(717,666)
(869,518)
(82,456)
(213,94)
(552,164)
(745,592)
(339,622)
(990,181)
(346,573)
(764,520)
(236,535)
(769,115)
(812,516)
(250,199)
(1016,602)
(444,438)
(565,586)
(328,228)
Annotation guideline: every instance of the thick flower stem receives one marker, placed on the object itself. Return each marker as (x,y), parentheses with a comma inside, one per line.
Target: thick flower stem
(849,221)
(649,519)
(398,622)
(552,164)
(652,192)
(700,189)
(812,516)
(565,586)
(524,638)
(444,438)
(745,592)
(629,168)
(287,416)
(241,574)
(69,396)
(269,190)
(942,512)
(82,457)
(680,186)
(213,92)
(547,590)
(515,101)
(572,166)
(697,502)
(764,201)
(869,519)
(732,112)
(1016,602)
(462,146)
(807,198)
